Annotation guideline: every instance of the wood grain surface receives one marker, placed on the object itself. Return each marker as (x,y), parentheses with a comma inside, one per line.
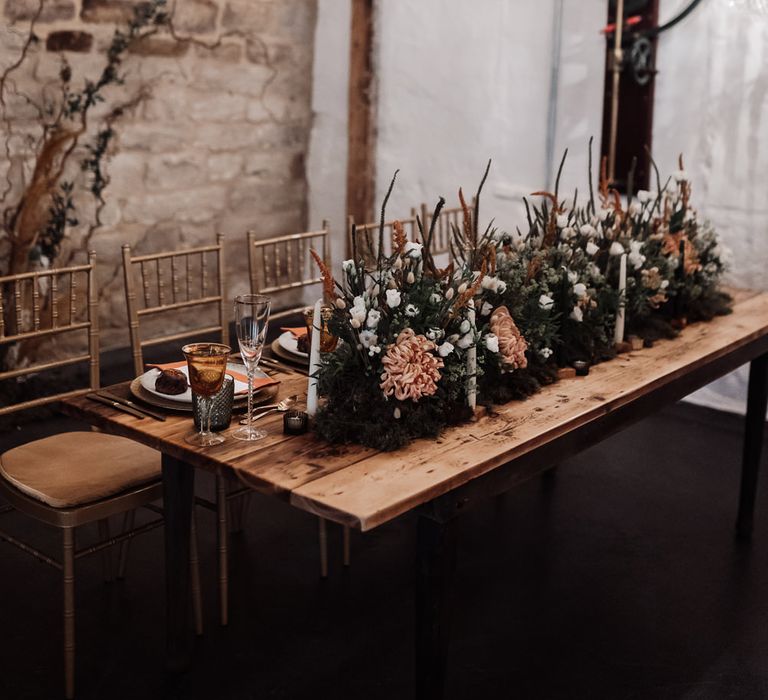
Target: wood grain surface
(364,488)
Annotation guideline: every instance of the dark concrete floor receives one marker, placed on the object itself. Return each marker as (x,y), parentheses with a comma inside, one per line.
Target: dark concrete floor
(618,579)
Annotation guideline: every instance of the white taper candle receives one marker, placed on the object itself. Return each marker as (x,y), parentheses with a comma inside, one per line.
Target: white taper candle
(618,334)
(314,358)
(471,360)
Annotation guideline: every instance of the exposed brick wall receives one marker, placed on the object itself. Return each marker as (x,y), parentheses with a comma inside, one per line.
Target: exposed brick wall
(219,146)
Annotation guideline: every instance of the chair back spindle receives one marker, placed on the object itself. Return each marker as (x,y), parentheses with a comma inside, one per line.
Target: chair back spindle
(283,264)
(153,271)
(29,311)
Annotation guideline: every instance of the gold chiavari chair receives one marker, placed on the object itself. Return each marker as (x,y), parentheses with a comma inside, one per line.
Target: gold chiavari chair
(76,478)
(367,236)
(281,266)
(184,283)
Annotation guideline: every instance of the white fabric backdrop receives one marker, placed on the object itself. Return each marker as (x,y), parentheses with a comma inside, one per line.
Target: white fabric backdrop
(460,82)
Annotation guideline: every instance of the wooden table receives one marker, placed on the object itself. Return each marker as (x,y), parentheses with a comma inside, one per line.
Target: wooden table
(440,478)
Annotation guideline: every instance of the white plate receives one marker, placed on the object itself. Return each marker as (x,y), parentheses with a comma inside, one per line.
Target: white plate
(289,343)
(149,378)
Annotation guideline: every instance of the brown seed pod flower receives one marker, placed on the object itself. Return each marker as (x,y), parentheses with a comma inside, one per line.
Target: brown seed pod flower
(512,345)
(411,370)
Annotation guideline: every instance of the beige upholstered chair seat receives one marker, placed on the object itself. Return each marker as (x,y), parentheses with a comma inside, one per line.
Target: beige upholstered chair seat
(71,469)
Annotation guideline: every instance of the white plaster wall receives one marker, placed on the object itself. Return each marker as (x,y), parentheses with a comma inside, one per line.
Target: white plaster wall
(327,162)
(461,82)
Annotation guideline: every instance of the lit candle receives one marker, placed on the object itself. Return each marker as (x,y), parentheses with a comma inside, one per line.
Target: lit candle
(618,335)
(471,360)
(314,358)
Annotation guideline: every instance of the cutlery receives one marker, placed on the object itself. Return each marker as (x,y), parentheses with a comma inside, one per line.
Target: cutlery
(279,407)
(131,404)
(115,405)
(284,367)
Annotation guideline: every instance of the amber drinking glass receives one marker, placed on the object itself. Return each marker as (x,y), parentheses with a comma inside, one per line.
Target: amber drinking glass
(207,363)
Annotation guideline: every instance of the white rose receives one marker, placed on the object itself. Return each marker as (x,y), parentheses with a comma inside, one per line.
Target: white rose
(616,249)
(580,290)
(413,249)
(491,342)
(577,314)
(546,302)
(374,316)
(368,338)
(411,310)
(466,341)
(445,349)
(592,248)
(358,311)
(393,298)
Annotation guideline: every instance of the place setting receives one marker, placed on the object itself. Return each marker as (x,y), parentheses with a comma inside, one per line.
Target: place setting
(222,389)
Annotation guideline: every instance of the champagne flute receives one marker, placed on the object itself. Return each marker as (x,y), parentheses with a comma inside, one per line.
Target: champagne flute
(251,319)
(207,364)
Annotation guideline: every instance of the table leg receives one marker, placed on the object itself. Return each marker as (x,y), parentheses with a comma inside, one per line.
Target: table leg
(436,562)
(178,494)
(754,427)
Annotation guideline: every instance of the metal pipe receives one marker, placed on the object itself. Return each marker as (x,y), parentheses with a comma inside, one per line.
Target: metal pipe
(554,84)
(618,58)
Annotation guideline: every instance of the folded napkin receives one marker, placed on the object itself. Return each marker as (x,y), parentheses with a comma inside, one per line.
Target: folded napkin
(297,332)
(258,382)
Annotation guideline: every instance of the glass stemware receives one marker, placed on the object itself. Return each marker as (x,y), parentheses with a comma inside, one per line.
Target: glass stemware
(207,363)
(251,320)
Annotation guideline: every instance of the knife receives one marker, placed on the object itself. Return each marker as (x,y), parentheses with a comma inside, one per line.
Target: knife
(131,404)
(284,367)
(115,405)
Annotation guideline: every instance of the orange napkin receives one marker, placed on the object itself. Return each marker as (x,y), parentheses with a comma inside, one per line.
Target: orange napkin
(297,332)
(258,382)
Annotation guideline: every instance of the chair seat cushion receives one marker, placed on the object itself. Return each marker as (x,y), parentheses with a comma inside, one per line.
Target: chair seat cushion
(71,469)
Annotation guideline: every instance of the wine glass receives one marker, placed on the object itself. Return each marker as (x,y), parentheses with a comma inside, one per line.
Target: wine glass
(207,364)
(251,319)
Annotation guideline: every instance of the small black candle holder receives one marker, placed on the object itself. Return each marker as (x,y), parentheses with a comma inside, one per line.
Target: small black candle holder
(295,422)
(581,367)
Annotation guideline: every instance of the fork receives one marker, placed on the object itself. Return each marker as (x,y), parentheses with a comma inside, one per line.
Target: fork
(279,407)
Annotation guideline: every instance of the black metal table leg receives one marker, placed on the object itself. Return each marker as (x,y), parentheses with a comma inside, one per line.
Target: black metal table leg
(178,494)
(436,562)
(754,426)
